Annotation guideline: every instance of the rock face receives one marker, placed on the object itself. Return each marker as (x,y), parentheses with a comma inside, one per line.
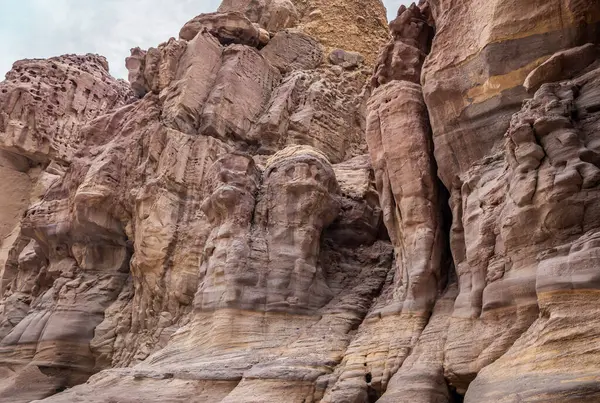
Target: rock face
(228,28)
(257,218)
(486,49)
(352,25)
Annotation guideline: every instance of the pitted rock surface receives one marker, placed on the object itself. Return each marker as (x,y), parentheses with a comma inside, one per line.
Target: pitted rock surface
(246,222)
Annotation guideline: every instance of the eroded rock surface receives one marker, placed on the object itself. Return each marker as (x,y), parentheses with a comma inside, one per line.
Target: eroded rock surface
(260,217)
(481,55)
(354,26)
(228,28)
(170,216)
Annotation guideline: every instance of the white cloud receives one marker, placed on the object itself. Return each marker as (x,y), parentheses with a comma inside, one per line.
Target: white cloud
(45,28)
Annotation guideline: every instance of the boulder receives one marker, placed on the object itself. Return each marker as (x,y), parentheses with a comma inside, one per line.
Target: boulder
(228,28)
(348,60)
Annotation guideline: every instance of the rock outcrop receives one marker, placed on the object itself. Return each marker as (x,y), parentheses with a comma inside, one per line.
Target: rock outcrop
(354,26)
(206,196)
(258,216)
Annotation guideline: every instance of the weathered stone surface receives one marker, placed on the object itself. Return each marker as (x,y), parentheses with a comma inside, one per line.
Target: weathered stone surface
(263,36)
(334,23)
(481,54)
(289,235)
(228,28)
(227,235)
(403,56)
(239,95)
(43,103)
(348,60)
(272,15)
(401,149)
(342,24)
(188,91)
(317,108)
(153,70)
(506,191)
(152,224)
(561,66)
(362,221)
(47,315)
(323,288)
(547,231)
(421,377)
(291,50)
(136,64)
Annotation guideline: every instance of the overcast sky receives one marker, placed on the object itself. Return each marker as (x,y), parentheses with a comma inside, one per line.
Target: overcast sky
(44,28)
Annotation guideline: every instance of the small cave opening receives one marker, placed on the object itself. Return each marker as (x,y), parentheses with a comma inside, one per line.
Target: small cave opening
(455,397)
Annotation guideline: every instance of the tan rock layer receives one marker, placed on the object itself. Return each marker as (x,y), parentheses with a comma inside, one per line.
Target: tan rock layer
(355,26)
(204,237)
(219,237)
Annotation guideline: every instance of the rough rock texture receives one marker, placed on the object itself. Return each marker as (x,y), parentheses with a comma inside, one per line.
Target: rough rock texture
(149,228)
(292,50)
(513,197)
(44,103)
(246,222)
(347,60)
(547,223)
(482,53)
(51,299)
(401,148)
(226,27)
(354,26)
(272,15)
(403,56)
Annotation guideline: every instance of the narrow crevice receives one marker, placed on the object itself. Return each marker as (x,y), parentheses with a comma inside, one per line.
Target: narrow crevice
(372,394)
(448,273)
(455,397)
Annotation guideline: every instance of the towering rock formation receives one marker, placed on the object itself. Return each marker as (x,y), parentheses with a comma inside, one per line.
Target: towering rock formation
(521,190)
(270,212)
(354,26)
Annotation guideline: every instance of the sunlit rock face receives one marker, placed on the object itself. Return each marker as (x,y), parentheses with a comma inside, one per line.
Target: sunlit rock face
(269,211)
(354,26)
(482,53)
(142,223)
(517,191)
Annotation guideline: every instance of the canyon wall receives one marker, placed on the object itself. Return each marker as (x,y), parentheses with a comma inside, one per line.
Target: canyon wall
(291,202)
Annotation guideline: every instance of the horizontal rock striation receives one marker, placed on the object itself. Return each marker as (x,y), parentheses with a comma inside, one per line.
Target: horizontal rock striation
(206,196)
(260,216)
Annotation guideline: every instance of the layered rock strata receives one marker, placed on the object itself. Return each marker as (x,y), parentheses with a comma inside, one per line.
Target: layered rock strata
(401,149)
(506,215)
(168,217)
(256,218)
(355,26)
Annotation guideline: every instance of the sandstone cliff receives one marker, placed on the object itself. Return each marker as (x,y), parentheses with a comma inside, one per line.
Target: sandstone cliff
(269,211)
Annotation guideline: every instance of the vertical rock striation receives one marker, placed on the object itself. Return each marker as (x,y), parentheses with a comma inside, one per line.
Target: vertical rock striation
(195,236)
(259,217)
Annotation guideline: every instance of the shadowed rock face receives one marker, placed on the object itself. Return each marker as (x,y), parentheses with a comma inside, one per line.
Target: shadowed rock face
(257,218)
